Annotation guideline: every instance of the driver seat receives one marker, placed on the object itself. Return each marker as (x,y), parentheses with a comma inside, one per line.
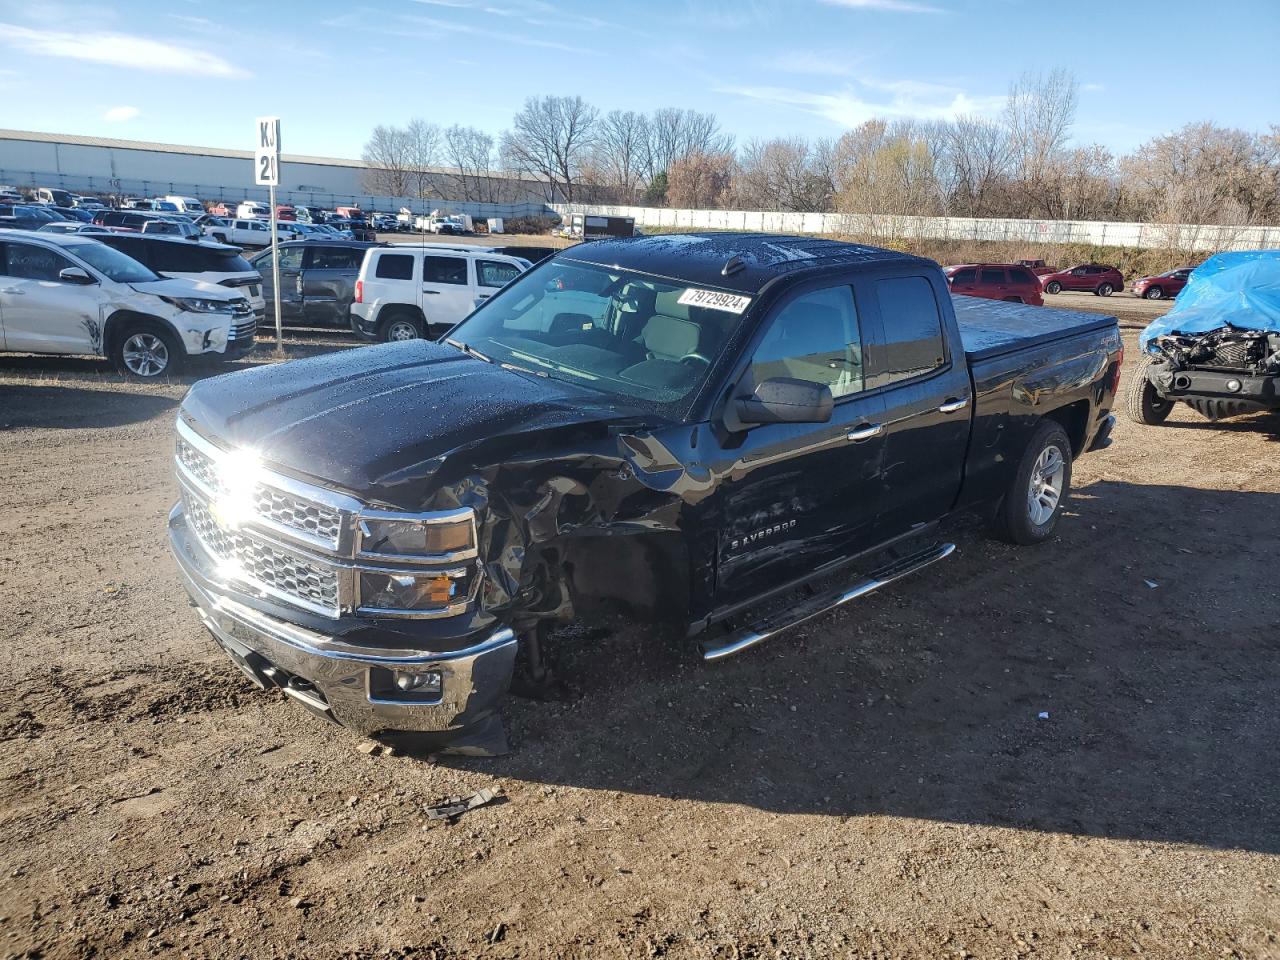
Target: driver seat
(669,338)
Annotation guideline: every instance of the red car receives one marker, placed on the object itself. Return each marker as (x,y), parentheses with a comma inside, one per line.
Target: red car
(1038,267)
(1094,277)
(1168,284)
(995,281)
(285,212)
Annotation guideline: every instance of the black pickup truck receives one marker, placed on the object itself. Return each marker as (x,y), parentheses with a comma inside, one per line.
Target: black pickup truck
(686,429)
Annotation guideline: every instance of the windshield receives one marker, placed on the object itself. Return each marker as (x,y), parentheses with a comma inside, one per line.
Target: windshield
(112,263)
(607,329)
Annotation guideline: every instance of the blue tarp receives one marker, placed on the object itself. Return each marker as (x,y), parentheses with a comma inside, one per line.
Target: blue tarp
(1239,289)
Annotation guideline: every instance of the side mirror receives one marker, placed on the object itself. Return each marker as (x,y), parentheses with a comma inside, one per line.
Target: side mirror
(786,400)
(75,275)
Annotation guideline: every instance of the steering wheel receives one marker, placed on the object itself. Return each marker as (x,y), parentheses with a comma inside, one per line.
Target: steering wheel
(695,356)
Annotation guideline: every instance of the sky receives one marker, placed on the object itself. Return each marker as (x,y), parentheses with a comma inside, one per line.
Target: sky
(197,72)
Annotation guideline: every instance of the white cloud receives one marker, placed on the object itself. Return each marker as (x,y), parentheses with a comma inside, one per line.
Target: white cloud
(848,107)
(120,114)
(890,6)
(118,50)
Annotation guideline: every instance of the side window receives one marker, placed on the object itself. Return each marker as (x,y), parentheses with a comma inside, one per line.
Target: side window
(335,258)
(967,275)
(1022,275)
(290,258)
(815,337)
(257,225)
(992,275)
(912,328)
(492,273)
(394,266)
(444,270)
(34,263)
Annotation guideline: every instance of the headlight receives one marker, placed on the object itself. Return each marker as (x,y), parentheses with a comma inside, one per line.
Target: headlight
(449,535)
(411,591)
(200,304)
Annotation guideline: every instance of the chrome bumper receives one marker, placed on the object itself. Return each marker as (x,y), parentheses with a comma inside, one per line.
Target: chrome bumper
(353,685)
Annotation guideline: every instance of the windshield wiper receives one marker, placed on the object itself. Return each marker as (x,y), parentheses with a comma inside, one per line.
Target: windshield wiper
(469,351)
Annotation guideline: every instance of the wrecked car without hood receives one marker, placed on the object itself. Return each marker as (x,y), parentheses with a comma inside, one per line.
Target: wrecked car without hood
(675,427)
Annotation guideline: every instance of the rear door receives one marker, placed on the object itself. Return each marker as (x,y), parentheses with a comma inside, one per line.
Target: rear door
(328,283)
(447,290)
(41,313)
(926,395)
(993,283)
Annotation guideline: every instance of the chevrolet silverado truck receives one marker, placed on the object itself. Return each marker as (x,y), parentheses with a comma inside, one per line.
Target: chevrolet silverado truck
(679,429)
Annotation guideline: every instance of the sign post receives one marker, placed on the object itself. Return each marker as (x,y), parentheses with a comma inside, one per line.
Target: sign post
(266,172)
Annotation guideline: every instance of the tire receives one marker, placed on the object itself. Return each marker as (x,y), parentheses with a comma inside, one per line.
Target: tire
(1028,514)
(1154,293)
(147,351)
(1053,286)
(401,325)
(1105,290)
(1142,402)
(220,237)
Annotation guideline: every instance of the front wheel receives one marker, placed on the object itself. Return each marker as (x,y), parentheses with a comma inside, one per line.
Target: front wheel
(1104,290)
(1154,293)
(148,353)
(1142,402)
(1053,286)
(1032,505)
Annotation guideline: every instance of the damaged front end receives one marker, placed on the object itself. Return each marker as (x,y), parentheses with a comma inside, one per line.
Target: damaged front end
(1223,373)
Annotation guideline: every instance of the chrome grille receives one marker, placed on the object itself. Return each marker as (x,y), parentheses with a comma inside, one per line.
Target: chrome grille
(197,465)
(249,559)
(297,514)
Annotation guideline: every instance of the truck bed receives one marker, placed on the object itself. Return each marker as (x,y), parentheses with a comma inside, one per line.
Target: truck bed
(990,328)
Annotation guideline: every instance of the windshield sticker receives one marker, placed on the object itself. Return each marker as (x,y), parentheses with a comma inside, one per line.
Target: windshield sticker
(714,300)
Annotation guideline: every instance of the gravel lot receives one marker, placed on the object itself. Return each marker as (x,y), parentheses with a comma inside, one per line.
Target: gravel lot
(874,784)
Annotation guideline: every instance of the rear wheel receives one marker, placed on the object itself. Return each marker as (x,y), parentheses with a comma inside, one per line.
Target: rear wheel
(1154,293)
(1104,290)
(1053,286)
(402,325)
(148,352)
(1032,505)
(1142,402)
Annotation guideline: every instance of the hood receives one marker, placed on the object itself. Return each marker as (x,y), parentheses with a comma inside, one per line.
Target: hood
(380,421)
(175,287)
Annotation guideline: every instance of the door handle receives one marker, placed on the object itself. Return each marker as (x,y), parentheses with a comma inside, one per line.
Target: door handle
(484,296)
(432,292)
(951,406)
(865,432)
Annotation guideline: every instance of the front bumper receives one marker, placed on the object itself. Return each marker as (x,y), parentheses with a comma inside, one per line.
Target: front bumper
(353,685)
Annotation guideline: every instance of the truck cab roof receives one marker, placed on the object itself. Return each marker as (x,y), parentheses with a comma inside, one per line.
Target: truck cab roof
(740,262)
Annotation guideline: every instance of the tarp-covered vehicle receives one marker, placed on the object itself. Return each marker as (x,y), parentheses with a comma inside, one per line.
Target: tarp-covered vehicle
(1218,349)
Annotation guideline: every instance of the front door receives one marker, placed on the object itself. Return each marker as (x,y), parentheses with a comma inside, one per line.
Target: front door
(797,496)
(447,294)
(41,313)
(290,283)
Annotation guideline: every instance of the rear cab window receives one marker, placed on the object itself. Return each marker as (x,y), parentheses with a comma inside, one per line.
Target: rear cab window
(965,275)
(912,328)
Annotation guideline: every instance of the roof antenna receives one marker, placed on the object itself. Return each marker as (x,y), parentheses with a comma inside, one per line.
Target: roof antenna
(733,265)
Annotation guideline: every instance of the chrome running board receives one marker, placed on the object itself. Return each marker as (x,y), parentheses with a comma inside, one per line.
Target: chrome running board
(807,609)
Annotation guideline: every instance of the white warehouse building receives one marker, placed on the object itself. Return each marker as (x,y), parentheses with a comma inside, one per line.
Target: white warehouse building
(107,166)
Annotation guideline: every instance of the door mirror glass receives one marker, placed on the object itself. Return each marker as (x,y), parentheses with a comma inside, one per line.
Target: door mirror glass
(786,400)
(75,275)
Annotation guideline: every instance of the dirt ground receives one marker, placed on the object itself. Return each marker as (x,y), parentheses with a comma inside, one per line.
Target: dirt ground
(878,783)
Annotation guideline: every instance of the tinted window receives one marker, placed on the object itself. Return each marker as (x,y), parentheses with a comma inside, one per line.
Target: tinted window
(130,246)
(491,273)
(967,275)
(184,258)
(336,258)
(1022,275)
(290,259)
(992,275)
(394,266)
(33,263)
(444,270)
(815,337)
(912,328)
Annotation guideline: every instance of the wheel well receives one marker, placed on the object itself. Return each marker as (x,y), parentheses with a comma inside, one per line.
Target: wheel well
(392,310)
(123,320)
(1073,418)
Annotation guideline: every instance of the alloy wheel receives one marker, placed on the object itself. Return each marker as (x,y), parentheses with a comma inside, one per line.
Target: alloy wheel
(145,355)
(402,330)
(1045,488)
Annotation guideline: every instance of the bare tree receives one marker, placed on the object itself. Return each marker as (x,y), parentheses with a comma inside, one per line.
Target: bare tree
(620,152)
(548,140)
(423,140)
(782,174)
(1040,113)
(469,153)
(888,169)
(977,155)
(700,180)
(675,133)
(388,155)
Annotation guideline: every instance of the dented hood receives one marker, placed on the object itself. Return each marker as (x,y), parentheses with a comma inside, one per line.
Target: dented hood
(381,421)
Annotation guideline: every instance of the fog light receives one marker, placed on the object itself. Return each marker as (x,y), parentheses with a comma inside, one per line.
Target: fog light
(1233,386)
(429,682)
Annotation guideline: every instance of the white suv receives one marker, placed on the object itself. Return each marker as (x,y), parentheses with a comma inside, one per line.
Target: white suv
(410,292)
(74,295)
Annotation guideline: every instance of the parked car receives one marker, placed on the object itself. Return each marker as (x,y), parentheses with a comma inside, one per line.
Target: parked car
(1163,286)
(253,210)
(337,228)
(89,203)
(1038,267)
(203,260)
(10,195)
(995,281)
(133,203)
(384,222)
(223,209)
(71,226)
(1094,277)
(54,197)
(28,216)
(243,232)
(285,212)
(73,213)
(408,291)
(186,204)
(353,229)
(172,228)
(123,221)
(308,231)
(1217,349)
(681,431)
(76,295)
(317,280)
